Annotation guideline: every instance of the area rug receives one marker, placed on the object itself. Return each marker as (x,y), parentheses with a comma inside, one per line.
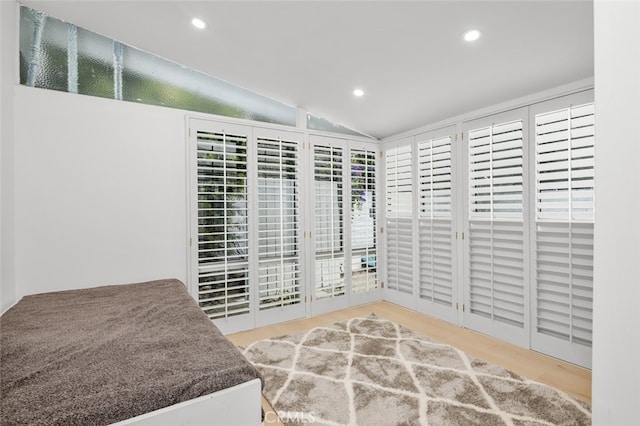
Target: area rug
(370,371)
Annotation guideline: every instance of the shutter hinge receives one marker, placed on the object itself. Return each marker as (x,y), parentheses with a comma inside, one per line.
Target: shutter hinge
(456,306)
(462,136)
(381,284)
(456,239)
(463,236)
(463,307)
(456,140)
(190,241)
(381,154)
(382,229)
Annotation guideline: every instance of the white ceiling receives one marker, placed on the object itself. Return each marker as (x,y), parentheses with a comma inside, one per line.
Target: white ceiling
(409,57)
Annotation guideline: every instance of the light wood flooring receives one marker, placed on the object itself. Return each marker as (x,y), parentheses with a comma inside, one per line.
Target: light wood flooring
(574,380)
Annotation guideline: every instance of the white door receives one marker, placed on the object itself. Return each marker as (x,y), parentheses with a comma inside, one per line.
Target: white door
(330,234)
(562,229)
(437,292)
(280,253)
(344,267)
(401,244)
(496,280)
(245,224)
(219,254)
(363,214)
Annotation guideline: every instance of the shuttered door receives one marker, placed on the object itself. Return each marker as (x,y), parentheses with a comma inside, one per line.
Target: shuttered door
(329,276)
(399,224)
(563,302)
(222,228)
(496,279)
(435,280)
(280,289)
(364,251)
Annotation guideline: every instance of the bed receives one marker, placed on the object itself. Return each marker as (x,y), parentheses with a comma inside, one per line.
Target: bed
(138,354)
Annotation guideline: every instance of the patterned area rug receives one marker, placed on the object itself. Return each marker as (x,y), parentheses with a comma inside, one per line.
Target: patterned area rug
(370,371)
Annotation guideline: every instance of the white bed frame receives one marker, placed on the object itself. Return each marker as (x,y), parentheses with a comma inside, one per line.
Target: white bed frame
(239,405)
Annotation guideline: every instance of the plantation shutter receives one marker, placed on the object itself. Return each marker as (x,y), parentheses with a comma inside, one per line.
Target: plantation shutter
(279,273)
(399,217)
(495,288)
(222,224)
(364,257)
(329,222)
(564,160)
(435,281)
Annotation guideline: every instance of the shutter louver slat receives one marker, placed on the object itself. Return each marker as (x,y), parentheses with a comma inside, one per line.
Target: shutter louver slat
(223,267)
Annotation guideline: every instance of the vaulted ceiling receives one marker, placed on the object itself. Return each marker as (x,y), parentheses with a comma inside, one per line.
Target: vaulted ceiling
(408,57)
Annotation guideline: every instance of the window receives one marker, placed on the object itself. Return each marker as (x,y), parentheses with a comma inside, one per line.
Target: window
(60,56)
(315,122)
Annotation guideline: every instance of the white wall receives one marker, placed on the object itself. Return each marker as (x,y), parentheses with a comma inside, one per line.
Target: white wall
(7,76)
(100,192)
(616,350)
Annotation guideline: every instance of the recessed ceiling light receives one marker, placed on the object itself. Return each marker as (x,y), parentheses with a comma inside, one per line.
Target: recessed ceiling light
(358,92)
(472,35)
(198,23)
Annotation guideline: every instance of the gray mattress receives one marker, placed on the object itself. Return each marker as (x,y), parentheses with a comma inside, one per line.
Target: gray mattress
(105,354)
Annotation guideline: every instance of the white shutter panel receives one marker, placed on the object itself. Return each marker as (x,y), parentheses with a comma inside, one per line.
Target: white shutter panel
(564,233)
(329,222)
(496,279)
(364,257)
(435,282)
(223,264)
(278,223)
(398,164)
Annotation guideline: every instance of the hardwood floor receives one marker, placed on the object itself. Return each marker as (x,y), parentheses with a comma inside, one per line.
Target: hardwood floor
(574,380)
